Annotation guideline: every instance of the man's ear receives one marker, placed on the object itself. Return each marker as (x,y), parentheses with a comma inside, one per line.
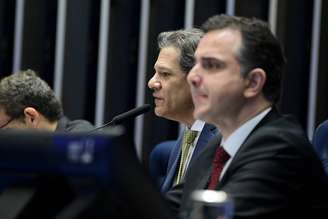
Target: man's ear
(32,117)
(255,82)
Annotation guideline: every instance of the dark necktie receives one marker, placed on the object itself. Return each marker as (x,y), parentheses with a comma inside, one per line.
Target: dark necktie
(220,158)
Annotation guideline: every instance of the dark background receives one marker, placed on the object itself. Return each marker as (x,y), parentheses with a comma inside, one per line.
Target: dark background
(293,28)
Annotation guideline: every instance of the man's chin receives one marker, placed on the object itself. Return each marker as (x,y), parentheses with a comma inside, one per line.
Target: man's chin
(158,111)
(163,113)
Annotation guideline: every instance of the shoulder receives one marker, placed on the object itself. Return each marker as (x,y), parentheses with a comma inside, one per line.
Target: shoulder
(279,129)
(278,160)
(322,129)
(162,150)
(64,124)
(278,147)
(79,126)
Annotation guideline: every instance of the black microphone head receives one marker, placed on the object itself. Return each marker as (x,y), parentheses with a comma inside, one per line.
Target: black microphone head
(131,113)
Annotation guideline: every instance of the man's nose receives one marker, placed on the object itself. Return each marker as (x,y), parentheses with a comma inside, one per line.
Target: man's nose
(193,77)
(154,83)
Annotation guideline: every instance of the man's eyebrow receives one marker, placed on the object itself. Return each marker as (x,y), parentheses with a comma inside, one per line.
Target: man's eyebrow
(213,60)
(161,68)
(210,59)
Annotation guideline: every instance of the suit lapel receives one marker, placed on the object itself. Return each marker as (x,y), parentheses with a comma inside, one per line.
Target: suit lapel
(172,165)
(207,133)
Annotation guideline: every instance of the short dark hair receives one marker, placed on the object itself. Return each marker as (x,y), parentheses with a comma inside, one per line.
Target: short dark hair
(259,49)
(185,41)
(25,89)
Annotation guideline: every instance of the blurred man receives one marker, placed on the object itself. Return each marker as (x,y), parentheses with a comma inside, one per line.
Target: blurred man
(263,160)
(320,143)
(173,101)
(27,102)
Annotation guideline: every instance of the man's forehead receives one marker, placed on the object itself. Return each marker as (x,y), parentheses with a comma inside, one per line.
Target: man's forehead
(167,59)
(162,67)
(219,40)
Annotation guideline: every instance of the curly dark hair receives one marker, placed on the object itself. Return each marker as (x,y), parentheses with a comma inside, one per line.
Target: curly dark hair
(25,89)
(260,49)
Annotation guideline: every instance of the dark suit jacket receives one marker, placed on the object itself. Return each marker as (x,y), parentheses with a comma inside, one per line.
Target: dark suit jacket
(207,133)
(274,174)
(158,161)
(320,143)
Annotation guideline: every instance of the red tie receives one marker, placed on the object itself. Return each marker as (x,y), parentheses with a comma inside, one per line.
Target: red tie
(221,157)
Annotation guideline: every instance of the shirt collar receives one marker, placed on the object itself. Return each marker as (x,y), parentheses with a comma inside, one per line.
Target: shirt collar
(237,138)
(198,126)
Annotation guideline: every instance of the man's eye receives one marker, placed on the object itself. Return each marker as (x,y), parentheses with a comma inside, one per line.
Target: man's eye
(211,64)
(164,74)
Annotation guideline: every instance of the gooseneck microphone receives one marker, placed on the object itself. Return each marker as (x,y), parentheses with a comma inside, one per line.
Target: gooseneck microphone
(127,115)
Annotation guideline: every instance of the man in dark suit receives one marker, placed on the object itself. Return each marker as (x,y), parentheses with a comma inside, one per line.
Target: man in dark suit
(27,102)
(173,101)
(263,161)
